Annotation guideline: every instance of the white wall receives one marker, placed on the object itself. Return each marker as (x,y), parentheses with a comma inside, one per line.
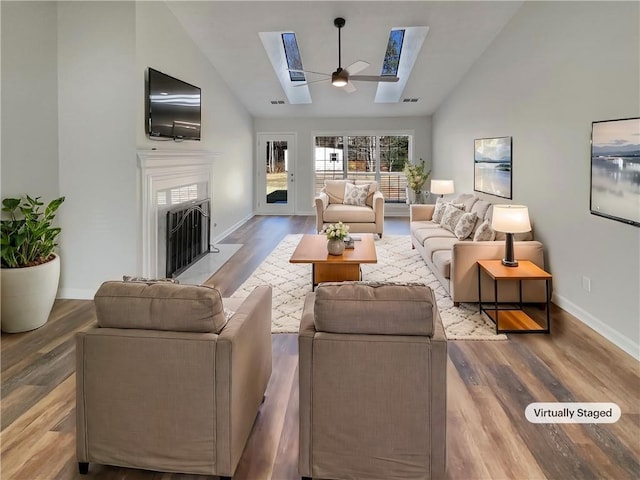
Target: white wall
(73,111)
(227,127)
(97,131)
(555,68)
(29,100)
(305,128)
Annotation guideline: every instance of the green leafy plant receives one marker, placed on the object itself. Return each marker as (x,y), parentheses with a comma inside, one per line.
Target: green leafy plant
(28,236)
(416,176)
(337,231)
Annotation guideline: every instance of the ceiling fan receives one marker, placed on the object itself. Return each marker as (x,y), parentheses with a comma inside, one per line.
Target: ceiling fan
(343,77)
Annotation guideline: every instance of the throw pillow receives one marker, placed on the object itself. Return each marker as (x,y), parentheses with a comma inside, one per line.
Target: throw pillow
(450,217)
(465,225)
(148,281)
(484,233)
(439,210)
(355,194)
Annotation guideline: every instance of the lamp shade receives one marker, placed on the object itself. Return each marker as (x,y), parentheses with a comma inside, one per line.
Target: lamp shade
(441,187)
(511,219)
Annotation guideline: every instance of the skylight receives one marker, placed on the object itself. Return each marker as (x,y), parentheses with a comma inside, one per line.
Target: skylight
(402,52)
(392,56)
(282,50)
(293,57)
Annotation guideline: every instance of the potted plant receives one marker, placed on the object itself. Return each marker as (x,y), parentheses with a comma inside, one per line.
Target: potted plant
(335,233)
(416,178)
(30,269)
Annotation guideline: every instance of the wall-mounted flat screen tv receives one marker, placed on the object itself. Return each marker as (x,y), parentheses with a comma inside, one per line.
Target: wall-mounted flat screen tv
(173,107)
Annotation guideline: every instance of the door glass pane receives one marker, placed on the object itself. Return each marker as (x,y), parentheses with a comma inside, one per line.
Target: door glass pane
(328,157)
(276,171)
(394,153)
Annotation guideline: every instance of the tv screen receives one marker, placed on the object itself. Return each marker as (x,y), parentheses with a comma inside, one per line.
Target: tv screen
(173,107)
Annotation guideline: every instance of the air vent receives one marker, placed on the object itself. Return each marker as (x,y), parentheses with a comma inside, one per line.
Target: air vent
(410,100)
(277,102)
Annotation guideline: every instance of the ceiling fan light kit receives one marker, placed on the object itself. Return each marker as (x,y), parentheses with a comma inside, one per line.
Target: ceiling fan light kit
(344,77)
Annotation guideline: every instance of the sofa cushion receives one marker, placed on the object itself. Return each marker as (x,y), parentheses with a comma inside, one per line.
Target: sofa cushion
(160,306)
(426,233)
(467,200)
(420,224)
(484,233)
(480,208)
(374,308)
(338,212)
(465,225)
(335,190)
(356,194)
(450,217)
(442,261)
(436,244)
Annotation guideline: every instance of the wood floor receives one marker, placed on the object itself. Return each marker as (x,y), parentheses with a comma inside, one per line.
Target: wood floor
(489,386)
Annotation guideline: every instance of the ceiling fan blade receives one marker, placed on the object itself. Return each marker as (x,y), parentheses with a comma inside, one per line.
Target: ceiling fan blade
(373,78)
(349,88)
(357,66)
(309,71)
(309,83)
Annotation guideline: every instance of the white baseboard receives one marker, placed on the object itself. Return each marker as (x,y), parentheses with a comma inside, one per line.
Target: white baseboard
(615,337)
(231,229)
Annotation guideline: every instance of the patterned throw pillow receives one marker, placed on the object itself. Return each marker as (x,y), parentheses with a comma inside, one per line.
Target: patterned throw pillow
(439,210)
(484,233)
(355,194)
(149,281)
(465,225)
(450,217)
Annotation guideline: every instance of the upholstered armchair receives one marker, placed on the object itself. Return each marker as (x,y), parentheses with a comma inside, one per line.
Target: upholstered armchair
(169,381)
(357,203)
(373,383)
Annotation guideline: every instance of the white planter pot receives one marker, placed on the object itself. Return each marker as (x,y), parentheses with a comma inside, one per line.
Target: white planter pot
(28,295)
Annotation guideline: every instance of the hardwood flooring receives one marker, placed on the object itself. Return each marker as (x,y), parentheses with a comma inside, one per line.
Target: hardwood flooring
(489,386)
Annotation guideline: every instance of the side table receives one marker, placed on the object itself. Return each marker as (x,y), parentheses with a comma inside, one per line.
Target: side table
(507,317)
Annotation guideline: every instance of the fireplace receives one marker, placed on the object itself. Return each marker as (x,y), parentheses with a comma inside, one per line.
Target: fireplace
(188,235)
(169,180)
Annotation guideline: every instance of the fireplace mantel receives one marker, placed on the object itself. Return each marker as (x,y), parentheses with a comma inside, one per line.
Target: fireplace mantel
(160,170)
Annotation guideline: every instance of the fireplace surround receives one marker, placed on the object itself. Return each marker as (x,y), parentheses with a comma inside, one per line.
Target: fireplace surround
(167,178)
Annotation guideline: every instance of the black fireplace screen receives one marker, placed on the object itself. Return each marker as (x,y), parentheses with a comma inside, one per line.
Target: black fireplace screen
(188,235)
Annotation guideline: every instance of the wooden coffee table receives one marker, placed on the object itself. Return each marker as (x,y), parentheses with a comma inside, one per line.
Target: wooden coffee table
(334,268)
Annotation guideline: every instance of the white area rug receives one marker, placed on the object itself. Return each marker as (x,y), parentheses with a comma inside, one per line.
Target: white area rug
(396,262)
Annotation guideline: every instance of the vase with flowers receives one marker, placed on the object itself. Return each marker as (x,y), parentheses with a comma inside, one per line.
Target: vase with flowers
(335,233)
(416,178)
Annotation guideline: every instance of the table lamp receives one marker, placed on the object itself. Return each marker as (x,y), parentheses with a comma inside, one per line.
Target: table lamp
(441,187)
(510,219)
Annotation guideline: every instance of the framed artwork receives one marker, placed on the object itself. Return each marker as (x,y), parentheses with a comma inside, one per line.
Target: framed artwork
(615,170)
(492,166)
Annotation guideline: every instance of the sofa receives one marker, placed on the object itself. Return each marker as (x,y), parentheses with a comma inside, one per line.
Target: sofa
(360,418)
(452,235)
(169,378)
(356,203)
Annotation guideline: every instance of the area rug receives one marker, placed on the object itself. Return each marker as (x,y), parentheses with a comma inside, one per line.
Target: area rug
(396,262)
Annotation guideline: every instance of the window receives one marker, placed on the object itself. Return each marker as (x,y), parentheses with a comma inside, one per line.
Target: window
(368,157)
(392,55)
(293,57)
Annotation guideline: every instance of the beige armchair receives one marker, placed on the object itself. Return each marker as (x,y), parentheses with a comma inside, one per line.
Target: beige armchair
(169,381)
(373,383)
(367,217)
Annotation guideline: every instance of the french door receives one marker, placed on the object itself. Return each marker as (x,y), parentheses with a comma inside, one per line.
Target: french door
(276,159)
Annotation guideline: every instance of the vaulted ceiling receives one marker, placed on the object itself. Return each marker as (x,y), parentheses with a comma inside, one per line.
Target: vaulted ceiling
(228,34)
